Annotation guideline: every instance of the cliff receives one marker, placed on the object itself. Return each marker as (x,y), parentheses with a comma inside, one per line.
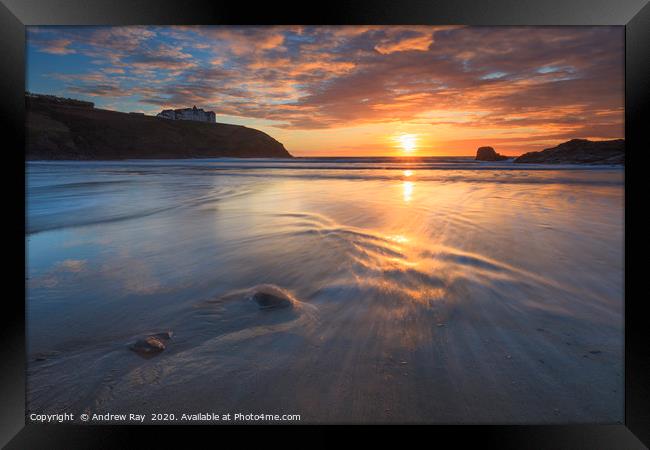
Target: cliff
(59,129)
(579,151)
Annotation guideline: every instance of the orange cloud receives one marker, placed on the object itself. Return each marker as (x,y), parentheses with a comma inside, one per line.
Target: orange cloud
(420,43)
(520,87)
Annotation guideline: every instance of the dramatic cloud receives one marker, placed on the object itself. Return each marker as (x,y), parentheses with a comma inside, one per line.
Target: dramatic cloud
(523,87)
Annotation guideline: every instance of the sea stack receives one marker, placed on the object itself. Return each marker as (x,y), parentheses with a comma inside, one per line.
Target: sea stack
(488,154)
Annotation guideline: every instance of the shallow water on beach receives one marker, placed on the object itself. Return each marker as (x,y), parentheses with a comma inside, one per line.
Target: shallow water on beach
(435,291)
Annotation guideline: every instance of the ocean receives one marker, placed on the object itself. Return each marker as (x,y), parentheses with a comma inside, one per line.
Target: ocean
(430,290)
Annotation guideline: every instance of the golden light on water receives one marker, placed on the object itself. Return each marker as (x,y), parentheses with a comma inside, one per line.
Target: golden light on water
(407,186)
(408,190)
(407,142)
(399,238)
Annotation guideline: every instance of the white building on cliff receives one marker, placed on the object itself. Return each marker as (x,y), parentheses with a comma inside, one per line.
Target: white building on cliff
(196,114)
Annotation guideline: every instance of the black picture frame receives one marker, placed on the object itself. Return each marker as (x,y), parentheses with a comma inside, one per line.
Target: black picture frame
(16,14)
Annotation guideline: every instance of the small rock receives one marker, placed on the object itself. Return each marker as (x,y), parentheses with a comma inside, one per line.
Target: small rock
(165,336)
(266,300)
(151,345)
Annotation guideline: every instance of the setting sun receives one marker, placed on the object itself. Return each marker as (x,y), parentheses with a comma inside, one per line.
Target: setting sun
(407,142)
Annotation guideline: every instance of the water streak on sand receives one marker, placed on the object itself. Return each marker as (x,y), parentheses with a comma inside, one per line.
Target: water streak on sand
(459,297)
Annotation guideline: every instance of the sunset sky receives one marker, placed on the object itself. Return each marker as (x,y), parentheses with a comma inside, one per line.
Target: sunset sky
(353,90)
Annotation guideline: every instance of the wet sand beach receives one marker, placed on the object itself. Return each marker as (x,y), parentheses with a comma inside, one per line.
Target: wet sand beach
(434,291)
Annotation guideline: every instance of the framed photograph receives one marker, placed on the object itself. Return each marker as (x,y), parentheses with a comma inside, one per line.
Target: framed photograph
(375,213)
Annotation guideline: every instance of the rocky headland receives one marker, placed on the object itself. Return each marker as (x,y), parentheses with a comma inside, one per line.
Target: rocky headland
(579,151)
(68,129)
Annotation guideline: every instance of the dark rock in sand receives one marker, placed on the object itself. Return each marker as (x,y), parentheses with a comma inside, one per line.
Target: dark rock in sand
(151,345)
(266,300)
(579,151)
(488,154)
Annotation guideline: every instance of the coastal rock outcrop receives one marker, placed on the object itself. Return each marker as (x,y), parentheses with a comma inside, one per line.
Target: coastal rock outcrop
(152,344)
(488,154)
(67,129)
(579,151)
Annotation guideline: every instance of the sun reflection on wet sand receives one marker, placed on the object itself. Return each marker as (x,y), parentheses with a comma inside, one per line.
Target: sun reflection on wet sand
(400,239)
(408,190)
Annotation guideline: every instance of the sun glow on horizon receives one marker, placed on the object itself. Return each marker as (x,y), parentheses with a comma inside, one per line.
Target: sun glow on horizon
(407,142)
